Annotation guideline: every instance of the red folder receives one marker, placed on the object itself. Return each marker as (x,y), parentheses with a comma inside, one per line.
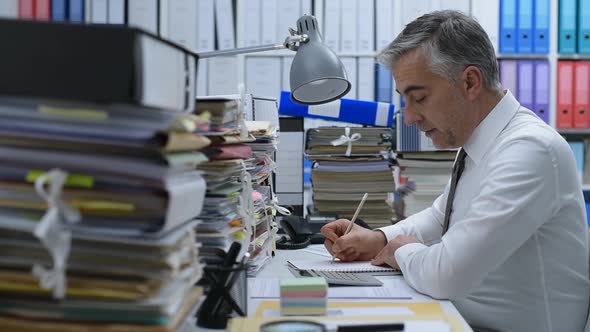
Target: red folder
(581,93)
(565,94)
(26,9)
(43,10)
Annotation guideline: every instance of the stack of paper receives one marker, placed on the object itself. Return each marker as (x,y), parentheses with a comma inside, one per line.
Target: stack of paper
(304,296)
(97,209)
(430,172)
(349,162)
(239,204)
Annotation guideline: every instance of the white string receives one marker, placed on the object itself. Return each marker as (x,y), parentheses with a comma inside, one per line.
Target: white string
(51,234)
(346,138)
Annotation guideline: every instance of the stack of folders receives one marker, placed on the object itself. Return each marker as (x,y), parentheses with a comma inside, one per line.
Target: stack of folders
(349,162)
(99,190)
(430,172)
(304,296)
(264,198)
(239,201)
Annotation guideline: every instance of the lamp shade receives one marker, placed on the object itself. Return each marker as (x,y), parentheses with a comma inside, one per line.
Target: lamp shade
(317,75)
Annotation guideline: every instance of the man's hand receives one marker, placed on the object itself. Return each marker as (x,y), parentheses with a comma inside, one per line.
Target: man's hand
(360,244)
(387,254)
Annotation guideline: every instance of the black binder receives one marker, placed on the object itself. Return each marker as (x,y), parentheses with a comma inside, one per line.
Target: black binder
(95,63)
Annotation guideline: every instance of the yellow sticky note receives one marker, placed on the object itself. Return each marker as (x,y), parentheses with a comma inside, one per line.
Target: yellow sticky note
(73,180)
(78,113)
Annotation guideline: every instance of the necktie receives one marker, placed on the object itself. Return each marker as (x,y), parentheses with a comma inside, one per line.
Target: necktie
(457,170)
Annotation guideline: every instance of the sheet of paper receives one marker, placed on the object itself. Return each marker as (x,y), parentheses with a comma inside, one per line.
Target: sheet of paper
(323,264)
(393,288)
(317,249)
(354,311)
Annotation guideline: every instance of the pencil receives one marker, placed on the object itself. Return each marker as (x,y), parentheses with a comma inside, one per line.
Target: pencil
(356,214)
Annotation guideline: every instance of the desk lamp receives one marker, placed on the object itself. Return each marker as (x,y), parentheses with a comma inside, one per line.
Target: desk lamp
(317,75)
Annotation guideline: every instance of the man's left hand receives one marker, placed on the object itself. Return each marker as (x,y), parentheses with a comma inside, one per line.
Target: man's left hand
(387,254)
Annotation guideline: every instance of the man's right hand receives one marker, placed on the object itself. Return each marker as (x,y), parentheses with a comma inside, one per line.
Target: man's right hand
(360,244)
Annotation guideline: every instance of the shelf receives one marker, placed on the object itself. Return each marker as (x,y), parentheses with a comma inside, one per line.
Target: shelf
(525,56)
(574,132)
(586,187)
(573,57)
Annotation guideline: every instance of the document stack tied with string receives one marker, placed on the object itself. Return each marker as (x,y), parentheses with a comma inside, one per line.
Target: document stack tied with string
(349,162)
(99,193)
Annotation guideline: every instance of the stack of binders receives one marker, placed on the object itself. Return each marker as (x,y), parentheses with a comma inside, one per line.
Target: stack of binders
(99,193)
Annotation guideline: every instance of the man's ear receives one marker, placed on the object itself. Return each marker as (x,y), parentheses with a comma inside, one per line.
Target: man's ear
(472,82)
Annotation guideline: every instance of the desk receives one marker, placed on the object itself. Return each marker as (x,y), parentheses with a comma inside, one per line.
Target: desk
(277,268)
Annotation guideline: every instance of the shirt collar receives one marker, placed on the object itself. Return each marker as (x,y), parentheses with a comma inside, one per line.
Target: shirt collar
(490,127)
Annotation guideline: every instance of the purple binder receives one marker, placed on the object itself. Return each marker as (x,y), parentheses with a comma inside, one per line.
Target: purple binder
(541,101)
(525,83)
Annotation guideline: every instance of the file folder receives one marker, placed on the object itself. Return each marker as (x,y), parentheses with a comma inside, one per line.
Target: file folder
(509,76)
(525,83)
(565,94)
(524,44)
(508,28)
(541,27)
(581,93)
(584,27)
(541,93)
(383,85)
(347,110)
(567,26)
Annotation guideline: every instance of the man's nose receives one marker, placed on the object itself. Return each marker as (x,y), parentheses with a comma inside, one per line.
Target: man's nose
(410,117)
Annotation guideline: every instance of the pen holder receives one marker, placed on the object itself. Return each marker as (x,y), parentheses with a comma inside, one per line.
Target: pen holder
(227,296)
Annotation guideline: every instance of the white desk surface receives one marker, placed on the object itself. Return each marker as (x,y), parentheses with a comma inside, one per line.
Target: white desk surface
(278,268)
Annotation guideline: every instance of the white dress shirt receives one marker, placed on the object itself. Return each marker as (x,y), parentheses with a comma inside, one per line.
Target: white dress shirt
(515,257)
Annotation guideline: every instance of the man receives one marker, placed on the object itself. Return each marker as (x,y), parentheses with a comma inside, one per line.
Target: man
(515,256)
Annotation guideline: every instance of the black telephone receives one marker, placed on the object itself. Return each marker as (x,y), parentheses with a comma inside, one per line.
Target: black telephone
(300,232)
(305,231)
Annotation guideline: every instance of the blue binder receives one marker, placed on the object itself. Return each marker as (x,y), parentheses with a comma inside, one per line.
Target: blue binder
(59,10)
(567,26)
(383,84)
(346,110)
(584,27)
(508,27)
(76,11)
(541,27)
(524,44)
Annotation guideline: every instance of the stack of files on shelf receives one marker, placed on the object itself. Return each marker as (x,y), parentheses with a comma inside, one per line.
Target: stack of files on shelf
(430,172)
(528,81)
(524,26)
(112,246)
(573,95)
(340,179)
(574,32)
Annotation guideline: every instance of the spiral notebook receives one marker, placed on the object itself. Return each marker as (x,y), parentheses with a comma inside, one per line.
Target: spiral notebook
(337,266)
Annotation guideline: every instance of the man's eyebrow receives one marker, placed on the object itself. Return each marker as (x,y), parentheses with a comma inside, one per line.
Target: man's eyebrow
(411,88)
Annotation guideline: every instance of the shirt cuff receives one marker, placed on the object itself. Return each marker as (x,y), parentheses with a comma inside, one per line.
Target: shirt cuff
(391,232)
(403,253)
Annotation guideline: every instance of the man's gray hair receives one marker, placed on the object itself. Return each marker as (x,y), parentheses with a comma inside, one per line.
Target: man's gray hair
(451,41)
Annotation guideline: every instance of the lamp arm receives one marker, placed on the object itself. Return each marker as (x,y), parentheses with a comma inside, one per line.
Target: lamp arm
(291,43)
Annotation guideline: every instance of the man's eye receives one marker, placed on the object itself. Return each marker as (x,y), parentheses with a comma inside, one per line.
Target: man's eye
(419,100)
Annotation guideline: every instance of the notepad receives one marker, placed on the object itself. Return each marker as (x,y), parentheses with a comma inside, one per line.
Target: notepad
(325,264)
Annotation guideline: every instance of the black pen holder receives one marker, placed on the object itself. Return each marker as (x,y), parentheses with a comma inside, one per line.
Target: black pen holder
(227,296)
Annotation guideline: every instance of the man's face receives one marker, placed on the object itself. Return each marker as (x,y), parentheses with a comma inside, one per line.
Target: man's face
(437,105)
